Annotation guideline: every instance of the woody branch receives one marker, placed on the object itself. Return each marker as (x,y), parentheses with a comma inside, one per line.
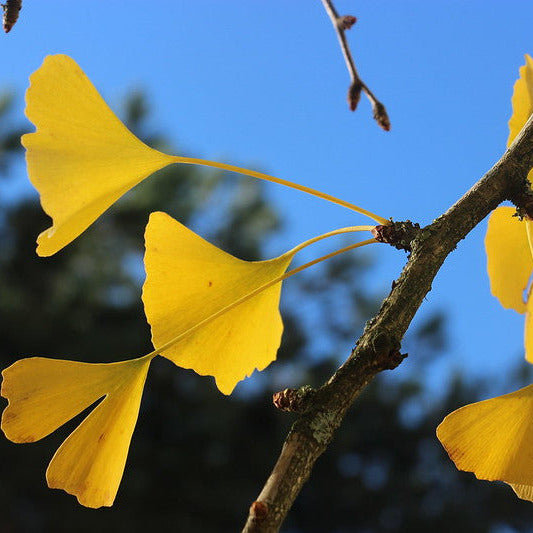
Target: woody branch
(378,349)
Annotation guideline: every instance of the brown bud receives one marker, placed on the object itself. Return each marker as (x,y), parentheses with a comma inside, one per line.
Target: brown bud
(386,234)
(397,234)
(346,22)
(380,116)
(354,94)
(11,13)
(259,510)
(294,400)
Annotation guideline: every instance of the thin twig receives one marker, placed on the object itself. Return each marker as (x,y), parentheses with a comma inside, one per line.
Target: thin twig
(378,348)
(354,92)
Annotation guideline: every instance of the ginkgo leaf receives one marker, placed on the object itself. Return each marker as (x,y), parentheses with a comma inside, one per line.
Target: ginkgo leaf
(493,438)
(81,158)
(44,393)
(522,102)
(187,281)
(509,260)
(522,99)
(525,492)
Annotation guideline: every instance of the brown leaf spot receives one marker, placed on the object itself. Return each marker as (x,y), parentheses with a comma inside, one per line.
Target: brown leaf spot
(8,416)
(456,454)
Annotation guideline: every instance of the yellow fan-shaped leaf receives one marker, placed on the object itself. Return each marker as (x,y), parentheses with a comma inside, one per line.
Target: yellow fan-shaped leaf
(522,99)
(43,394)
(509,261)
(187,281)
(522,102)
(81,158)
(494,438)
(524,492)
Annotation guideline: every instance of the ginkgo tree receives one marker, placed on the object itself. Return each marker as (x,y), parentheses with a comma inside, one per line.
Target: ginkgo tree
(218,315)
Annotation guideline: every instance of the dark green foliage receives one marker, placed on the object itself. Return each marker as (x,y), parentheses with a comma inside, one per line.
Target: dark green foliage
(9,133)
(198,459)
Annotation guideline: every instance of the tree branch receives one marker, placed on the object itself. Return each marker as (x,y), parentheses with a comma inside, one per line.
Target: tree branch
(378,348)
(354,92)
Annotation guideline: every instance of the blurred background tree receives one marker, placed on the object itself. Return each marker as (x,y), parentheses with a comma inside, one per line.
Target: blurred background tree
(198,458)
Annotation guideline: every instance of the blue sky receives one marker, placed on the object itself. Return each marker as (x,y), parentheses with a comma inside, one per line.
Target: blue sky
(261,83)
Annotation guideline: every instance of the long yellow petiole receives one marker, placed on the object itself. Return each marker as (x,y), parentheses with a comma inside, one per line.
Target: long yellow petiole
(340,231)
(255,292)
(529,233)
(267,177)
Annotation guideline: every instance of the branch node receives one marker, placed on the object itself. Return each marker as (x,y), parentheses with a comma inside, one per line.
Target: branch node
(524,203)
(398,234)
(395,357)
(259,511)
(293,400)
(346,22)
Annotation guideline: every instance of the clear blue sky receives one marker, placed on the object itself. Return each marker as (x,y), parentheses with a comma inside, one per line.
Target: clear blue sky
(262,83)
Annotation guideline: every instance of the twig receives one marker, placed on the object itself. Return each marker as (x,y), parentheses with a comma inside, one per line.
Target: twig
(378,347)
(341,24)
